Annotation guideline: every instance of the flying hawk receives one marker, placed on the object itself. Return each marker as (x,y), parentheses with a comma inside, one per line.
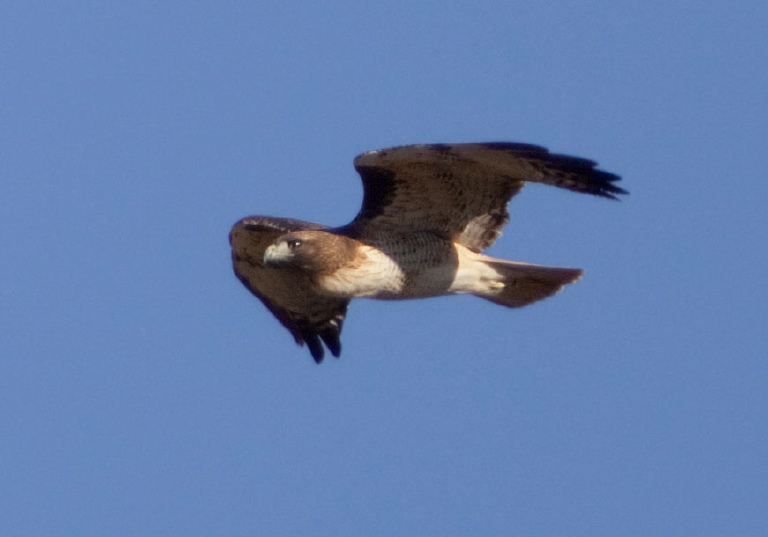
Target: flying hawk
(428,212)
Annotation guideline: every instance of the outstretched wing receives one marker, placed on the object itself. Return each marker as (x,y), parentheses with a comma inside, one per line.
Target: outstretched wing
(462,190)
(285,292)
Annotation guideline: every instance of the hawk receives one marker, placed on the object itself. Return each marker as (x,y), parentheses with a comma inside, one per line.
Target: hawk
(428,213)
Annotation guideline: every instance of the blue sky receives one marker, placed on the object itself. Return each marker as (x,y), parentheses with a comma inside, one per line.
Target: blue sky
(143,391)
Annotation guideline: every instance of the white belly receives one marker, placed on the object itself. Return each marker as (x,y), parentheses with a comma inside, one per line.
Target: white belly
(411,271)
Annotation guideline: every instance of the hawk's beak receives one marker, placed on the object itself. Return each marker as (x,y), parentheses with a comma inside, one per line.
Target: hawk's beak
(277,254)
(269,254)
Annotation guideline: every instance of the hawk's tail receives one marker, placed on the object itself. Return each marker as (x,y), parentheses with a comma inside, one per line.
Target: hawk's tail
(521,284)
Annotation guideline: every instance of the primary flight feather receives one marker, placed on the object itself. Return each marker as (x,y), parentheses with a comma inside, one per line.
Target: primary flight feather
(428,212)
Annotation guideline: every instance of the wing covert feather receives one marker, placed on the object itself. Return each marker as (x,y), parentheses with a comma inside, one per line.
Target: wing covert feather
(462,190)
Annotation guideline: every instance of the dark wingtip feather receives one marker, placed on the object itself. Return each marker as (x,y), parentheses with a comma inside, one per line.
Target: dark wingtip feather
(603,185)
(580,175)
(331,338)
(315,347)
(592,180)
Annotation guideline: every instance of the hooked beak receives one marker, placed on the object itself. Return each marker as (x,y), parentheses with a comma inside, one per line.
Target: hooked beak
(277,254)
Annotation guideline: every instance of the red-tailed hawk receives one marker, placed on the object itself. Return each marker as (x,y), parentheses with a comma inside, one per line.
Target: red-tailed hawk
(428,212)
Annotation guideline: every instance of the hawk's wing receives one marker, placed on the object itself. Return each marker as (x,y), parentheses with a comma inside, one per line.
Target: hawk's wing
(286,293)
(462,190)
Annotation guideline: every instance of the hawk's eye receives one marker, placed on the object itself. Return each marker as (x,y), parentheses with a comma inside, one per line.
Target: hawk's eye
(293,243)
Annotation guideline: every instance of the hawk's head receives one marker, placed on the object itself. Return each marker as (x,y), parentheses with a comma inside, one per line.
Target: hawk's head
(314,251)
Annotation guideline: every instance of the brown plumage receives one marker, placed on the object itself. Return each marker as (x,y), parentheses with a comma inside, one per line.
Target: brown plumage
(428,212)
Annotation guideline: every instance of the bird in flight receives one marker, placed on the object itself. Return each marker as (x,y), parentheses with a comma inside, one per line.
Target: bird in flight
(428,213)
